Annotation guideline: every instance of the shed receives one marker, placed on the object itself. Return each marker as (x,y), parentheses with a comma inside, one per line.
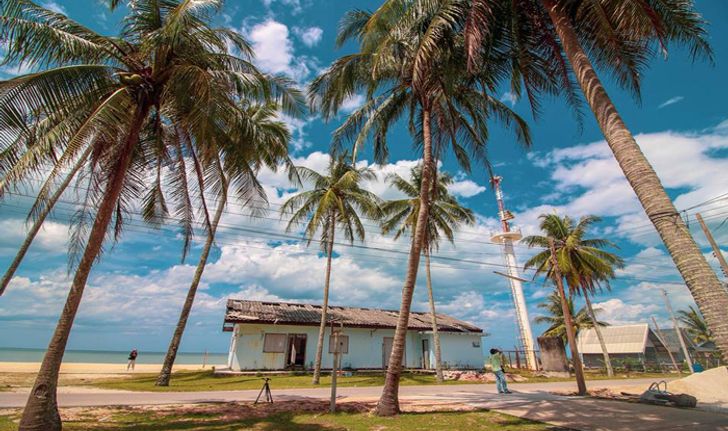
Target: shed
(625,343)
(281,335)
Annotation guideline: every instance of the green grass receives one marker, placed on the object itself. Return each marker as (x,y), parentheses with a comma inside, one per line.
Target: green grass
(187,381)
(190,381)
(285,421)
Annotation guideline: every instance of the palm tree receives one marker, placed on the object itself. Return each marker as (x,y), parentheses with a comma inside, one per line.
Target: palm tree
(336,200)
(584,263)
(270,137)
(125,107)
(448,107)
(695,325)
(444,217)
(554,317)
(619,36)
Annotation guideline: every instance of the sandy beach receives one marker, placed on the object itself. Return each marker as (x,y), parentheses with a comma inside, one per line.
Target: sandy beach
(89,368)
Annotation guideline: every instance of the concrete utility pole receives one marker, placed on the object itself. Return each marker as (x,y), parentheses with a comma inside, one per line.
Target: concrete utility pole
(716,250)
(568,321)
(677,330)
(506,237)
(664,341)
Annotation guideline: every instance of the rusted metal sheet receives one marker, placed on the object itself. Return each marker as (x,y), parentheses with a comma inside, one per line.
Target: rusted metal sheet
(282,313)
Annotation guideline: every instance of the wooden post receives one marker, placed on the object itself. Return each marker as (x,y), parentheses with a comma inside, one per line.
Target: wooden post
(678,331)
(334,366)
(568,321)
(716,250)
(663,341)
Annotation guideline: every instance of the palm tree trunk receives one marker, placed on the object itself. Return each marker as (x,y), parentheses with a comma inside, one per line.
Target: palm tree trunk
(169,358)
(325,305)
(40,219)
(709,295)
(605,352)
(568,323)
(389,401)
(433,315)
(41,410)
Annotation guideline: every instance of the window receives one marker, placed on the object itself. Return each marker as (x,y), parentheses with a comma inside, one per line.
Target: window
(343,342)
(476,343)
(274,343)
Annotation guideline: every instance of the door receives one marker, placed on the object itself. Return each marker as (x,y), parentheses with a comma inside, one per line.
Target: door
(425,353)
(387,343)
(296,351)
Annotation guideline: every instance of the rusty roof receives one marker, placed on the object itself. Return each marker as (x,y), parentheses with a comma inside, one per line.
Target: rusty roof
(286,313)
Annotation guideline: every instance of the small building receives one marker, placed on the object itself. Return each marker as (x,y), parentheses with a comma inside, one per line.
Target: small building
(633,344)
(281,336)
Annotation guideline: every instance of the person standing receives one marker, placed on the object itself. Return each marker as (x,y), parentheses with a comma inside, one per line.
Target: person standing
(132,360)
(497,363)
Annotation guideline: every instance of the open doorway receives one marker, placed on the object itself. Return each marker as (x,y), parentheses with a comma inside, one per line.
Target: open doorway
(425,353)
(387,343)
(296,351)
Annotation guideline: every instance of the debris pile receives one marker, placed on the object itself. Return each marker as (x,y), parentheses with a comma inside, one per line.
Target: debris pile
(475,376)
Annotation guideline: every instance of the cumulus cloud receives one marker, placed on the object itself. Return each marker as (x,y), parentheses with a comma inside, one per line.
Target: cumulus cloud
(274,50)
(351,104)
(310,36)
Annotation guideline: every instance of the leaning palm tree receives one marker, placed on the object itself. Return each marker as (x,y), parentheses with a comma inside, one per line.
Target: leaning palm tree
(268,140)
(124,107)
(448,108)
(695,325)
(444,217)
(554,317)
(584,263)
(620,37)
(336,201)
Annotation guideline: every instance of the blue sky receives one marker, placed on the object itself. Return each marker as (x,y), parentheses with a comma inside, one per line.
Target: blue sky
(134,295)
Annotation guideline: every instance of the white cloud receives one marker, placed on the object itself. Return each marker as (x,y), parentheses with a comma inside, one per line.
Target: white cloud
(52,237)
(310,36)
(274,51)
(294,6)
(509,98)
(466,188)
(617,312)
(351,104)
(55,7)
(670,101)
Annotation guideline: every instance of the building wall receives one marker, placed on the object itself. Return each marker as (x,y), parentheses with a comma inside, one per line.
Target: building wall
(365,348)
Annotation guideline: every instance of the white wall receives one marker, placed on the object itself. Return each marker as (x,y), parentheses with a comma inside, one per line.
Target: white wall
(365,348)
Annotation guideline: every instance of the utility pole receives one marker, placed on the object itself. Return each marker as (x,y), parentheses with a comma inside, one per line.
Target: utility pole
(568,321)
(506,238)
(677,330)
(716,250)
(664,341)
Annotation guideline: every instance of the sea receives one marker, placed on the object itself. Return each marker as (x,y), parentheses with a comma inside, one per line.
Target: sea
(10,354)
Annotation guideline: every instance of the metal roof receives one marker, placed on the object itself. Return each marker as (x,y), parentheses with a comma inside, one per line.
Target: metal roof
(285,313)
(619,339)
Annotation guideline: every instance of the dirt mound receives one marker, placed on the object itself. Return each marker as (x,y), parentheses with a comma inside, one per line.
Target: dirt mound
(475,376)
(709,387)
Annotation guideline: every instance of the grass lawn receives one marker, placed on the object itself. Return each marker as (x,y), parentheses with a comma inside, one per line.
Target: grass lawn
(187,381)
(220,419)
(207,381)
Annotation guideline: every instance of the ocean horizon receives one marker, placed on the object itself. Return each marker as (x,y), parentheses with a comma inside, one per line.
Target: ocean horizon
(17,354)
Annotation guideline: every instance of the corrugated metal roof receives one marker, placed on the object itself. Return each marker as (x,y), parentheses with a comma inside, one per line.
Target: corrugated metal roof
(284,313)
(670,339)
(619,339)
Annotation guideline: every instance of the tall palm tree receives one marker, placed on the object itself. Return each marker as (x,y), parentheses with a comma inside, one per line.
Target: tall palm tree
(270,139)
(124,107)
(444,217)
(584,263)
(335,201)
(554,317)
(449,107)
(620,37)
(695,324)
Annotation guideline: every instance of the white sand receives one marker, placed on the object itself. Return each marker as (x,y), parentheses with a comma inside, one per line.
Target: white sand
(93,369)
(710,388)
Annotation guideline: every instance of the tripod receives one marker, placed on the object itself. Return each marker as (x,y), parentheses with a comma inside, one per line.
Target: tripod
(265,390)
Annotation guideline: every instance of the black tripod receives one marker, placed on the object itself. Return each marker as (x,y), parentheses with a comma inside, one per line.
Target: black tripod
(265,390)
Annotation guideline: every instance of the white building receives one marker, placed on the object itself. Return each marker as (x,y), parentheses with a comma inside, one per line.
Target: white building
(279,336)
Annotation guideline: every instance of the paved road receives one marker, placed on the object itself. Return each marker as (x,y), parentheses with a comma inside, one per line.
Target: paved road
(531,400)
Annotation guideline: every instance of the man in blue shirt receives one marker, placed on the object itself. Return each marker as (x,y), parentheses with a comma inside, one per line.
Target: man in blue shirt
(497,363)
